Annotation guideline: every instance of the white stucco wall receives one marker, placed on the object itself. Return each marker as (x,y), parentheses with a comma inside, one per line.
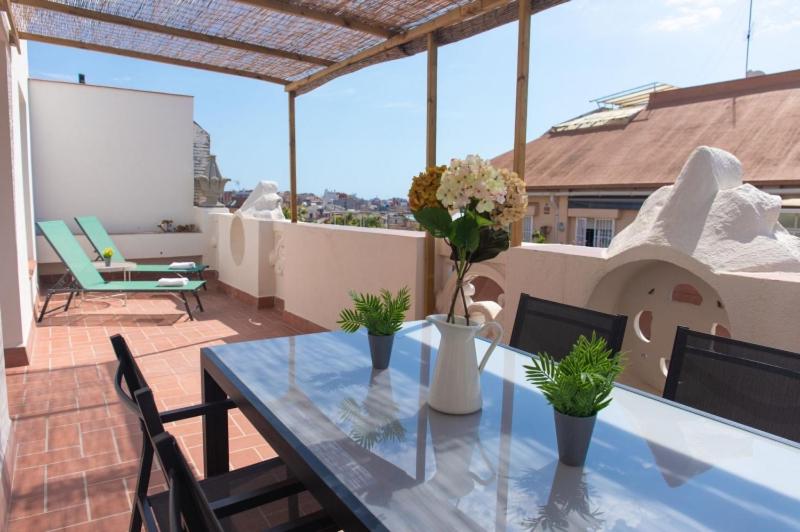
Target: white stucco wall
(755,304)
(124,156)
(312,267)
(17,291)
(317,266)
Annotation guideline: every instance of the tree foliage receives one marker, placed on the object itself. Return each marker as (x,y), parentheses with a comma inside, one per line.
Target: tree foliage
(580,385)
(382,314)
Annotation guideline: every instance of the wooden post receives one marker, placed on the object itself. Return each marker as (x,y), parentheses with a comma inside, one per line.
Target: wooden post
(430,160)
(292,160)
(521,115)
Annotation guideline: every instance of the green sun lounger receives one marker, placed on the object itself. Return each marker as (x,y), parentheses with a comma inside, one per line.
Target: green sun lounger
(82,276)
(100,240)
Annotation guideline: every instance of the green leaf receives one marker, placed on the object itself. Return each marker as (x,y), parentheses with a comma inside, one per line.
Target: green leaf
(381,314)
(483,221)
(436,220)
(581,384)
(492,242)
(465,234)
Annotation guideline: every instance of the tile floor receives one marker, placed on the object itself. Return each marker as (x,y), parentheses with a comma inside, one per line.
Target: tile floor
(78,447)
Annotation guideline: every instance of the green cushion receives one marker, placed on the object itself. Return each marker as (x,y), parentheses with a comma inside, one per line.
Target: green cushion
(98,236)
(143,286)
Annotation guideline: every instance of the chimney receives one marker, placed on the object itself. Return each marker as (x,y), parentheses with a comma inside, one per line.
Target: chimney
(82,79)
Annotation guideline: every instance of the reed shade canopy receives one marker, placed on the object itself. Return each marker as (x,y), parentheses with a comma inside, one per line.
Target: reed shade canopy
(301,44)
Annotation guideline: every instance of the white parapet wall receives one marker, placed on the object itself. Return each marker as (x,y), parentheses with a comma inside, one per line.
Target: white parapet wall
(311,268)
(317,265)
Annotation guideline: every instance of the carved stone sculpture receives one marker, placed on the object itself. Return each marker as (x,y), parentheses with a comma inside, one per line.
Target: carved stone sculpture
(264,203)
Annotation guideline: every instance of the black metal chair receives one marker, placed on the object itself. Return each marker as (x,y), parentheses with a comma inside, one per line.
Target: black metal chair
(543,326)
(233,492)
(748,383)
(219,503)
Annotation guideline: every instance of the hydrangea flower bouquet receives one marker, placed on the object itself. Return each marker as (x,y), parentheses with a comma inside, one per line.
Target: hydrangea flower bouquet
(470,205)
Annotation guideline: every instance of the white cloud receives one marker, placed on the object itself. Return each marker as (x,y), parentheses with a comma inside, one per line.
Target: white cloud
(687,15)
(788,19)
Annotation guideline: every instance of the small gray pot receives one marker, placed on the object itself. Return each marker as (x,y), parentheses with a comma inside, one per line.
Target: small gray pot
(380,347)
(573,435)
(107,261)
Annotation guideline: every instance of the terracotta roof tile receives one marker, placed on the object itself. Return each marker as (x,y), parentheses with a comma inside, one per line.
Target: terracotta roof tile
(757,119)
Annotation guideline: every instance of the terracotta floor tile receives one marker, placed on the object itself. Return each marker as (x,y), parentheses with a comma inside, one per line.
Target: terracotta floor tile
(77,445)
(108,498)
(65,492)
(54,520)
(98,441)
(114,523)
(63,436)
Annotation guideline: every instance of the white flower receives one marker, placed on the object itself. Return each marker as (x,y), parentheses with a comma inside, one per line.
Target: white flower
(472,180)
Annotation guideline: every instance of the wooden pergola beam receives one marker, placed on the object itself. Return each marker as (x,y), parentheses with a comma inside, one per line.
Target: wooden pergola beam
(430,160)
(149,57)
(12,25)
(521,114)
(474,8)
(292,159)
(171,31)
(283,6)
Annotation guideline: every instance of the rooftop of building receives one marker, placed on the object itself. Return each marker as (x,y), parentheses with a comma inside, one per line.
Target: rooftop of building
(645,146)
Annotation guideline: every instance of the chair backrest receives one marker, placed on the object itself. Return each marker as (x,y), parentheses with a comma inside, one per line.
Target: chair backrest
(70,252)
(748,383)
(127,370)
(98,236)
(543,326)
(188,503)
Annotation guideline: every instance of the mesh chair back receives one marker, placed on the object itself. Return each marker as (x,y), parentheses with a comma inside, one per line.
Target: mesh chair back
(748,383)
(71,253)
(543,326)
(98,236)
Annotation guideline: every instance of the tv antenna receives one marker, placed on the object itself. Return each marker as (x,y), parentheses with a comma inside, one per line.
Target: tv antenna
(749,34)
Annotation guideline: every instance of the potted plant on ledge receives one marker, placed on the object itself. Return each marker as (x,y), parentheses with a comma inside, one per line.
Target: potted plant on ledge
(578,387)
(382,315)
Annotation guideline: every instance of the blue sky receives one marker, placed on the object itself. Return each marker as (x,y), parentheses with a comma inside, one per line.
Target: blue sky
(364,133)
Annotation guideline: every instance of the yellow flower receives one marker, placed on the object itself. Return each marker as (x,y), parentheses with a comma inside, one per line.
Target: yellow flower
(516,204)
(423,188)
(108,252)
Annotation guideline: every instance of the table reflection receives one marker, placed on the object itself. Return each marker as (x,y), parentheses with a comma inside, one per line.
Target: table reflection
(455,440)
(569,503)
(374,420)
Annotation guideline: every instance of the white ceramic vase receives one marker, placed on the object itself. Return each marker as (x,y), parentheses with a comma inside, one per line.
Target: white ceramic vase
(456,385)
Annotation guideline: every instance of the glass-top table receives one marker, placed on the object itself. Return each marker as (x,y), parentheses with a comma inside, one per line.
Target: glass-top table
(367,446)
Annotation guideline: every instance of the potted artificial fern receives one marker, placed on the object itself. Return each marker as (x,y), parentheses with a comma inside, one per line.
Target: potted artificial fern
(382,315)
(578,387)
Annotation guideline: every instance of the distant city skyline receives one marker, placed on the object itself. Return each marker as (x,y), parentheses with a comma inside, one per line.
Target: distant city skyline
(364,133)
